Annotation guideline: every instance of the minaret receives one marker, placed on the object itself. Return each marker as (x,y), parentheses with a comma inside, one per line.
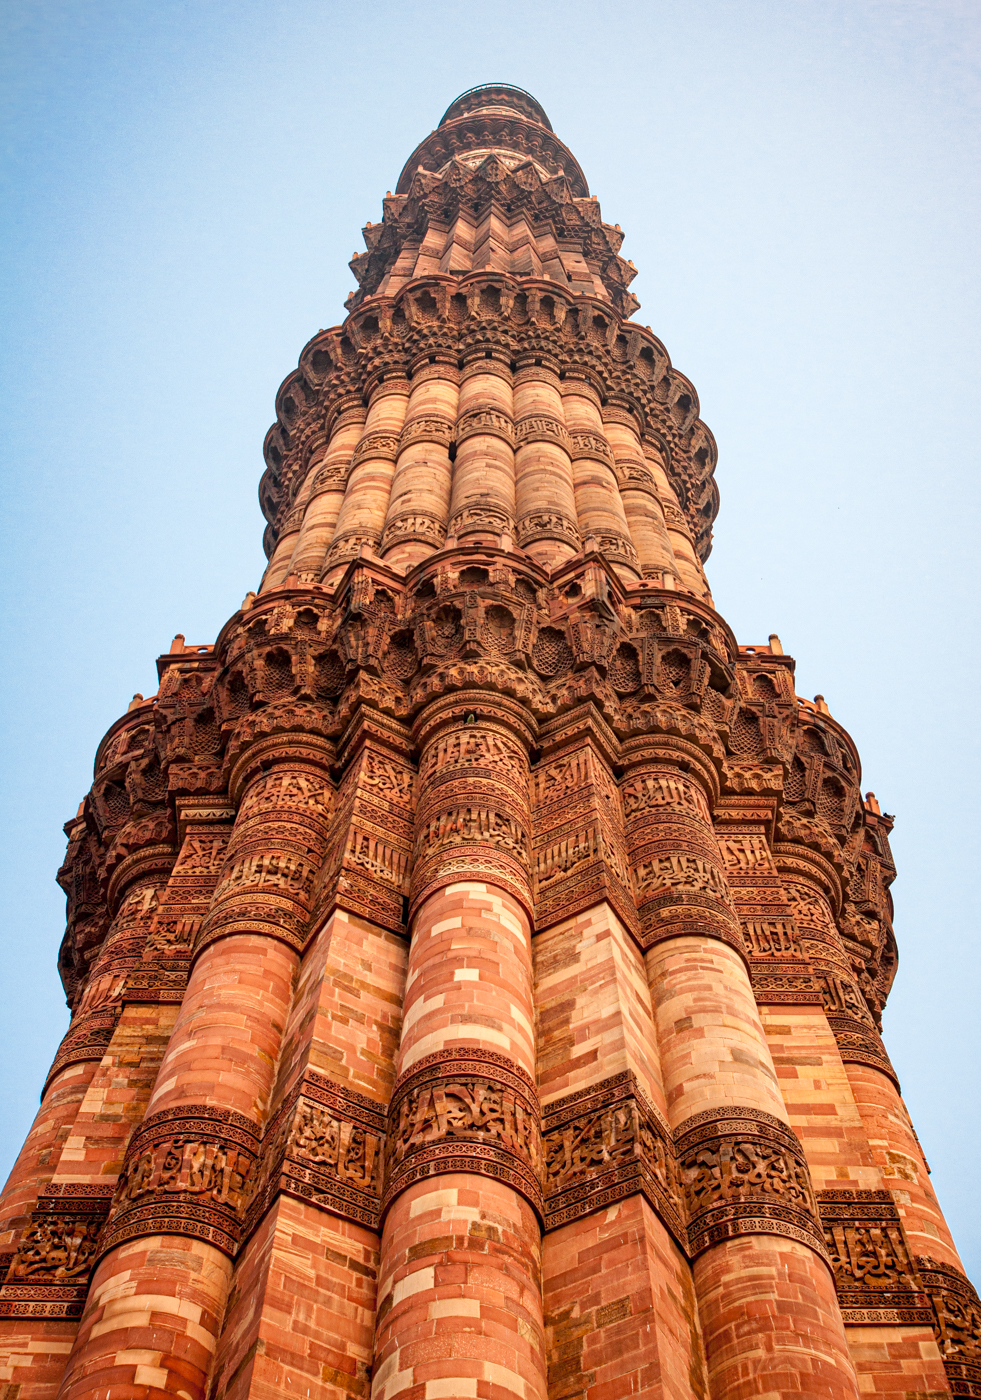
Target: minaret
(476,956)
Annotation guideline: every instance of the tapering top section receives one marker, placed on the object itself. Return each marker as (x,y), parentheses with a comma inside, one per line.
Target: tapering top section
(496,97)
(497,119)
(489,385)
(494,189)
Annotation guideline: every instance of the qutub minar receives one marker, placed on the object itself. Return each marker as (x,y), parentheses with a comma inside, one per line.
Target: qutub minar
(476,956)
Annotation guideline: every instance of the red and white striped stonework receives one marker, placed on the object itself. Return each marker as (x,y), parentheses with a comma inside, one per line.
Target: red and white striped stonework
(476,956)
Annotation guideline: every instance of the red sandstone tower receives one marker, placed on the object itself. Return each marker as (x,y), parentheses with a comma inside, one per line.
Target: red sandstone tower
(476,956)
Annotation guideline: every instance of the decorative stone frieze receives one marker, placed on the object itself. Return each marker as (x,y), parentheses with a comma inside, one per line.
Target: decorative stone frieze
(875,1276)
(465,1111)
(957,1324)
(48,1276)
(325,1146)
(603,1144)
(188,1171)
(743,1172)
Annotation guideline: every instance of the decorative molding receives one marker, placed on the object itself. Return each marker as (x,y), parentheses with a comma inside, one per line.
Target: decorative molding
(48,1275)
(743,1172)
(326,1147)
(957,1324)
(188,1171)
(465,1110)
(603,1144)
(875,1275)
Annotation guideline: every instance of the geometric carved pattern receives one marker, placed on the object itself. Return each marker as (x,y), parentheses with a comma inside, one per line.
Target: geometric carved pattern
(603,1144)
(371,841)
(874,1273)
(188,1171)
(48,1276)
(465,1110)
(957,1324)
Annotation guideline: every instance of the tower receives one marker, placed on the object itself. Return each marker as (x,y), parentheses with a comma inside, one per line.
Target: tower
(476,956)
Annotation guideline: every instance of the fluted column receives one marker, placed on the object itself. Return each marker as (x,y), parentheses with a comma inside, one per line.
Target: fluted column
(599,505)
(619,1300)
(642,508)
(289,533)
(135,886)
(52,1220)
(482,501)
(322,490)
(158,1295)
(766,1297)
(415,522)
(328,476)
(459,1292)
(361,519)
(545,502)
(809,1041)
(894,1146)
(301,1308)
(678,533)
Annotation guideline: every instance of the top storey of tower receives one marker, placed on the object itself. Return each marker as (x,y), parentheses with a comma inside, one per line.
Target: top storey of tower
(494,189)
(500,119)
(496,97)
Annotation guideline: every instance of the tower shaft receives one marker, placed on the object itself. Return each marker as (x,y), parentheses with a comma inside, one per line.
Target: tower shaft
(476,957)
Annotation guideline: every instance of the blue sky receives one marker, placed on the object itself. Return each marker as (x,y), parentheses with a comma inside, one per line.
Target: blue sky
(183,185)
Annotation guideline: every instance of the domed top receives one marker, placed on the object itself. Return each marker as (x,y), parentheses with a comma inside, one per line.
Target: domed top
(497,97)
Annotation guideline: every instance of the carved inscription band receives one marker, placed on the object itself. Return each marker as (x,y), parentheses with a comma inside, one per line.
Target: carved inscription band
(604,1144)
(874,1274)
(48,1275)
(469,1111)
(325,1146)
(188,1171)
(957,1324)
(743,1172)
(728,1171)
(203,1172)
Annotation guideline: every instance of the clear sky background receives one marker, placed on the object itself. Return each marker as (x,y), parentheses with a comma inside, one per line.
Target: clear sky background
(184,184)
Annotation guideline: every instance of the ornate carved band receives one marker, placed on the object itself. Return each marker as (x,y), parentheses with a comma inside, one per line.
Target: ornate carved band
(473,812)
(874,1273)
(606,1143)
(542,427)
(743,1172)
(592,445)
(49,1274)
(858,1043)
(484,421)
(427,428)
(188,1171)
(273,860)
(578,855)
(468,1111)
(326,1146)
(87,1040)
(376,447)
(956,1324)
